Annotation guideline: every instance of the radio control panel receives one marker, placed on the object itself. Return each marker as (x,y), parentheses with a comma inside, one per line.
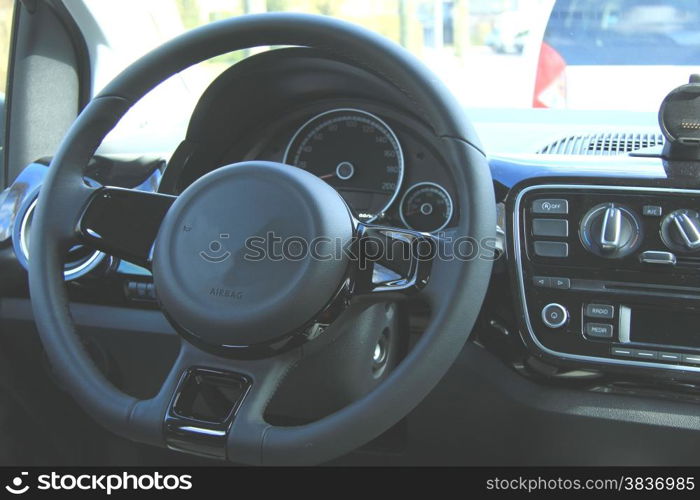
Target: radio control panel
(609,274)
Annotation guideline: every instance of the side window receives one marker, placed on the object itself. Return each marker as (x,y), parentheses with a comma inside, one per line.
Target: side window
(7,8)
(6,11)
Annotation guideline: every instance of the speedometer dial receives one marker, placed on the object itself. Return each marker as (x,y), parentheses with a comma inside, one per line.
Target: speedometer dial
(355,152)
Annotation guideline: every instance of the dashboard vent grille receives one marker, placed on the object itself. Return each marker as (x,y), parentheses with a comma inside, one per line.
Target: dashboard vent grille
(613,143)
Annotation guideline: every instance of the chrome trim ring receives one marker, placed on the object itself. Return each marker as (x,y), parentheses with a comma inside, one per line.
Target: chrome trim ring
(555,324)
(391,133)
(69,273)
(418,185)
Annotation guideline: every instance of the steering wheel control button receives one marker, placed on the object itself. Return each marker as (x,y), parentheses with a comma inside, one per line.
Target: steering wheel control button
(552,249)
(554,228)
(555,315)
(599,331)
(550,206)
(600,311)
(652,211)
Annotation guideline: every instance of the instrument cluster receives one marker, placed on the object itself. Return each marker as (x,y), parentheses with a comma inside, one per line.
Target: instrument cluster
(386,171)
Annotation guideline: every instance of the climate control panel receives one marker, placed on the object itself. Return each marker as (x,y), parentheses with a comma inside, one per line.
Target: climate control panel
(609,274)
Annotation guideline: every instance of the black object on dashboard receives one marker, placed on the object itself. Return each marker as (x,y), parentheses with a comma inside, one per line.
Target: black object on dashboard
(679,118)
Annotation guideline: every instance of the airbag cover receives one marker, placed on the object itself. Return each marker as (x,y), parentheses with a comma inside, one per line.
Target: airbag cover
(226,289)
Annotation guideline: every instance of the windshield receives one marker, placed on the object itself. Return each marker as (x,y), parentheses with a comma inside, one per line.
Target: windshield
(593,55)
(631,32)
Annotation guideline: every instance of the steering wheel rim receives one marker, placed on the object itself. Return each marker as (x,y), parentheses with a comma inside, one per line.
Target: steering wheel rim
(455,291)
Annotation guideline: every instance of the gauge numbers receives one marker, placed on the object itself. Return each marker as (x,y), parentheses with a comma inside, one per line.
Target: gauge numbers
(426,207)
(354,151)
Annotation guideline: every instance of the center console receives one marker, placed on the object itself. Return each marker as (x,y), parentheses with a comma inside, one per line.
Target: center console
(609,275)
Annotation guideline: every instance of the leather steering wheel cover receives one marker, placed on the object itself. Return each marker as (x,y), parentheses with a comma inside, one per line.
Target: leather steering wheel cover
(63,196)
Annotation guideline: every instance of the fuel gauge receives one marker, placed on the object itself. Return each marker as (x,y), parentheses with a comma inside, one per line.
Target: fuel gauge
(426,207)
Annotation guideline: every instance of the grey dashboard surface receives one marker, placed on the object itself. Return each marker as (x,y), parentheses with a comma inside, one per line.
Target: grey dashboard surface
(483,413)
(522,131)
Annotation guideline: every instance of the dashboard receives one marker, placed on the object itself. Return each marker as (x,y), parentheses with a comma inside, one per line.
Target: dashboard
(601,255)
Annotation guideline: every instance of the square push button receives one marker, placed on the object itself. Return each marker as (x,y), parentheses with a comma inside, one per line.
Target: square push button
(671,357)
(556,228)
(602,311)
(561,283)
(551,249)
(643,354)
(599,331)
(622,351)
(692,359)
(550,206)
(542,282)
(652,211)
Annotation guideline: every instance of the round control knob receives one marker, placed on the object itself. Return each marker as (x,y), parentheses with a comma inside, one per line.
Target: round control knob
(680,230)
(555,315)
(611,231)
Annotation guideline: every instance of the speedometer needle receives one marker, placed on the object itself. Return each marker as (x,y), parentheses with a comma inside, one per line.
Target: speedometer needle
(327,176)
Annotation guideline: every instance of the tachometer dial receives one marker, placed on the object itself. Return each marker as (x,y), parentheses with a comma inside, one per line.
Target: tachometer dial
(426,207)
(355,152)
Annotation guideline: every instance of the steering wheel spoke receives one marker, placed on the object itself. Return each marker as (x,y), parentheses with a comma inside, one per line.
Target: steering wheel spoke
(213,406)
(124,222)
(392,260)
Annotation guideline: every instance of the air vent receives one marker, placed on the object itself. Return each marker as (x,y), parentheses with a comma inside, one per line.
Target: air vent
(614,143)
(79,260)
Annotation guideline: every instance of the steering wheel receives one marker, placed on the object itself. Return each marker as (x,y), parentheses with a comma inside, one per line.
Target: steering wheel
(246,323)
